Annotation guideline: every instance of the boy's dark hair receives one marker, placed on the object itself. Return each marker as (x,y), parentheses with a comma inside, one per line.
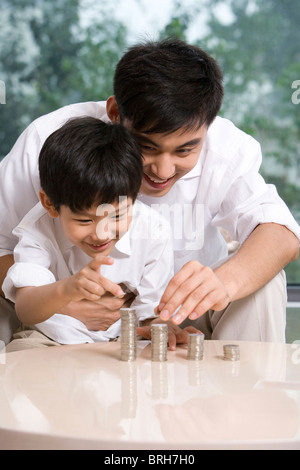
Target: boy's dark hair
(88,162)
(161,87)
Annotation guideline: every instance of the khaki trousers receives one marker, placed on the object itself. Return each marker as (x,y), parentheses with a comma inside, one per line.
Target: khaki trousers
(29,339)
(260,317)
(9,321)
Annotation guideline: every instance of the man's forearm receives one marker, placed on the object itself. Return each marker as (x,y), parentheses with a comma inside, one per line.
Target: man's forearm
(265,253)
(5,263)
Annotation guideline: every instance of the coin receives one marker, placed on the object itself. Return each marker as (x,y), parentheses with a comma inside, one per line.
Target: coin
(196,347)
(128,334)
(231,352)
(159,337)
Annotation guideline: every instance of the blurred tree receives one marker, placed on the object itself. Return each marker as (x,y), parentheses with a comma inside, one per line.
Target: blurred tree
(48,59)
(179,22)
(260,56)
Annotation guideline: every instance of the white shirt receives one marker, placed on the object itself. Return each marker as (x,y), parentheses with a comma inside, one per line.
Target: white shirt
(224,189)
(142,262)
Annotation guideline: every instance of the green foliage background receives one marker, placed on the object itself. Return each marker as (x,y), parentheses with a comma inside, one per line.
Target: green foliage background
(50,57)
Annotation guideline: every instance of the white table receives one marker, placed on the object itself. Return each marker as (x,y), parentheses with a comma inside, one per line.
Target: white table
(84,397)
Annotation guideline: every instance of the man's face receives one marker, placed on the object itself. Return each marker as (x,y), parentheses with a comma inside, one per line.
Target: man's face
(168,157)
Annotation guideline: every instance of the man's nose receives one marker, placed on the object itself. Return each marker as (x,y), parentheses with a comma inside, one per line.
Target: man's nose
(163,166)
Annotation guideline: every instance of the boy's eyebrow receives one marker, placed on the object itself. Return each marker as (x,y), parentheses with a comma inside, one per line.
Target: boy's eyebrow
(122,207)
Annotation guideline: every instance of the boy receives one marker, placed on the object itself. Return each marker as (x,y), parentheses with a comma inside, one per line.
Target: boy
(90,175)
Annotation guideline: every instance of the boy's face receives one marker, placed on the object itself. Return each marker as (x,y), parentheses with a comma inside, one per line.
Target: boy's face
(98,229)
(168,157)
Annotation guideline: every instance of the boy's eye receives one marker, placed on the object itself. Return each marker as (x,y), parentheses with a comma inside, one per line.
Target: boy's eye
(119,216)
(83,221)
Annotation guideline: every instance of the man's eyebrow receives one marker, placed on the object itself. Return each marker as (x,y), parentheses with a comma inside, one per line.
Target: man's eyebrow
(146,140)
(191,143)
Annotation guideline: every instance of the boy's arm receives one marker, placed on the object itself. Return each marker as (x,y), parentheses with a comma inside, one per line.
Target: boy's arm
(37,304)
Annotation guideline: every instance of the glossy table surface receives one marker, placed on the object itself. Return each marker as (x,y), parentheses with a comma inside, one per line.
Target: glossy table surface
(84,397)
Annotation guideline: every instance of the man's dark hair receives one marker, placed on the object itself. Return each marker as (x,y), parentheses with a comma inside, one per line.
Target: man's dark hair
(161,87)
(88,162)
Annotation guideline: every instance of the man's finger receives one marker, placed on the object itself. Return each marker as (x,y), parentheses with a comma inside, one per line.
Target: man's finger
(144,331)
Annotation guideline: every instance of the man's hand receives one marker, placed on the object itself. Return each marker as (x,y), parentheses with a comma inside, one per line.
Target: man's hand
(176,335)
(196,289)
(99,315)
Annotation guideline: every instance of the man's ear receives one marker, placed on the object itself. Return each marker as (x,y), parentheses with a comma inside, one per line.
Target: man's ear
(47,204)
(112,109)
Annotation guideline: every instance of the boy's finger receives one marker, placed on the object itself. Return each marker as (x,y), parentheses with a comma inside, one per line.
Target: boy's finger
(111,287)
(99,260)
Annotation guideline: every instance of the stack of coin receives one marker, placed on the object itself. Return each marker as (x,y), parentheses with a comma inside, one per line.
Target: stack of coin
(231,352)
(196,346)
(128,334)
(159,337)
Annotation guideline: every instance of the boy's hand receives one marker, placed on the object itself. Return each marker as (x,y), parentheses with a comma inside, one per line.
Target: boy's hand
(176,335)
(89,284)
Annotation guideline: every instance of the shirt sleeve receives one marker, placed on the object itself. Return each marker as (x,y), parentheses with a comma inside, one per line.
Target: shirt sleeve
(19,186)
(246,201)
(32,267)
(25,275)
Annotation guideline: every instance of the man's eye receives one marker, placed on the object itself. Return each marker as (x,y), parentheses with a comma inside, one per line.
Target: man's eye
(147,148)
(184,151)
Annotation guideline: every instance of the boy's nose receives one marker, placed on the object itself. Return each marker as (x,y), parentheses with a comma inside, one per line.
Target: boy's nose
(106,230)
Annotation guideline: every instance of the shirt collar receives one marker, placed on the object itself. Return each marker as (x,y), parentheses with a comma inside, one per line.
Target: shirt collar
(123,245)
(196,171)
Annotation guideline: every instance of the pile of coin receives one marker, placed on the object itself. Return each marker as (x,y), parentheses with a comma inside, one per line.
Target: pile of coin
(159,337)
(196,346)
(231,352)
(128,334)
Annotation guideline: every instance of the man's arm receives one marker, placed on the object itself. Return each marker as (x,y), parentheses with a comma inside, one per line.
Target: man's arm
(198,288)
(268,250)
(5,263)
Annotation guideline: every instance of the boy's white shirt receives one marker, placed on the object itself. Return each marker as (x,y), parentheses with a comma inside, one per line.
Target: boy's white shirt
(225,186)
(143,262)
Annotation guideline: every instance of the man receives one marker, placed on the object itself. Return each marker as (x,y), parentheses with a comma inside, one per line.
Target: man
(169,94)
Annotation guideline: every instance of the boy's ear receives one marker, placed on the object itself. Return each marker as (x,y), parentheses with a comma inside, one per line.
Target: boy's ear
(112,109)
(47,204)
